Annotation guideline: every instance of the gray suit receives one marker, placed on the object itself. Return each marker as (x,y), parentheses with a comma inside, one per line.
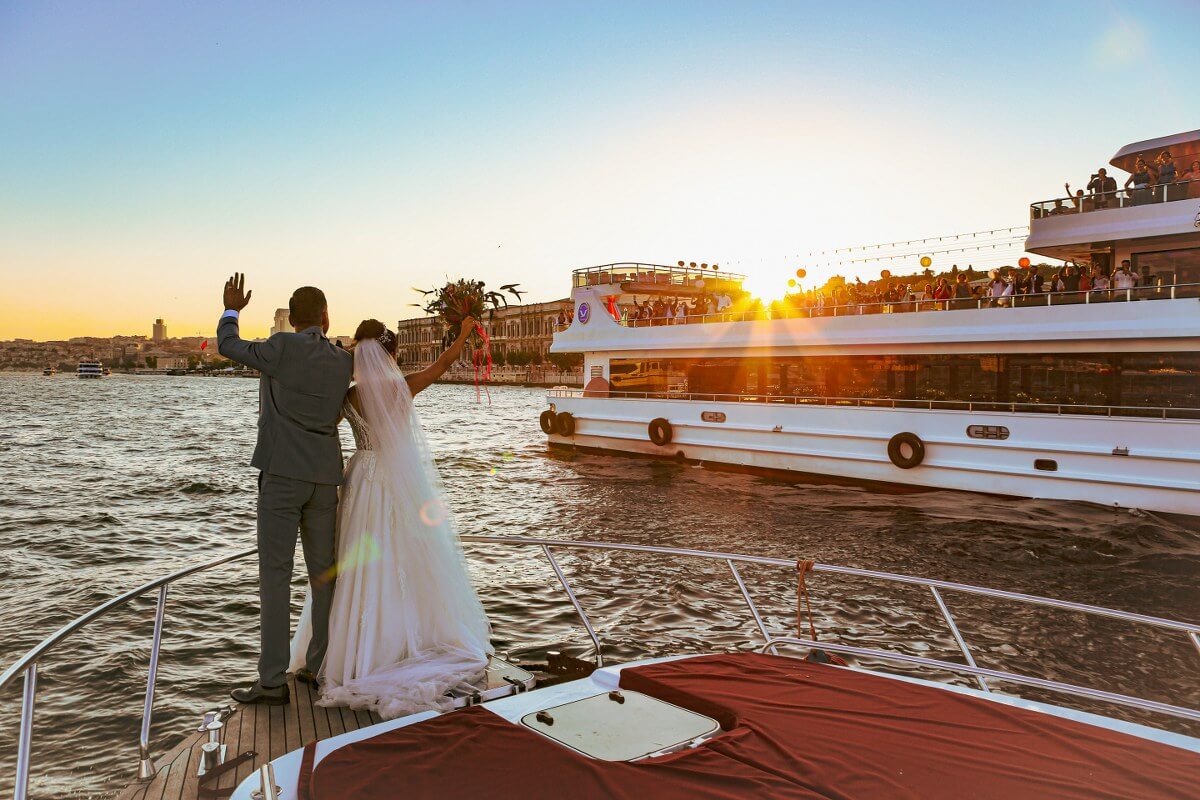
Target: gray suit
(299,457)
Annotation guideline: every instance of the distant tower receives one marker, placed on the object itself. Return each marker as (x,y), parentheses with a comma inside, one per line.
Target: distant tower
(160,331)
(281,321)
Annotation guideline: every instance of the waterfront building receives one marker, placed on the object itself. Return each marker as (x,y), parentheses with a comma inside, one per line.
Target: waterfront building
(160,331)
(281,322)
(172,362)
(522,332)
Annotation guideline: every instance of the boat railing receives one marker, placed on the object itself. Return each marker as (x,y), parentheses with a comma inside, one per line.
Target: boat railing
(1121,198)
(658,274)
(976,406)
(26,667)
(783,310)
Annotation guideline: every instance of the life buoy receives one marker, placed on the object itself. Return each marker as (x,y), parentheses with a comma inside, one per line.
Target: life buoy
(906,450)
(660,431)
(546,420)
(564,423)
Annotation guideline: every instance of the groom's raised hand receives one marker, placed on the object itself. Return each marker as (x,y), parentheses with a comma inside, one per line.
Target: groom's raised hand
(235,298)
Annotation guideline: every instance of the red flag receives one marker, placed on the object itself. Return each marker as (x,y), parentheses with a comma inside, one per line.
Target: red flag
(204,345)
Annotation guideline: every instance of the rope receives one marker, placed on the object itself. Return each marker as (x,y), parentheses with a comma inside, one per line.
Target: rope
(803,605)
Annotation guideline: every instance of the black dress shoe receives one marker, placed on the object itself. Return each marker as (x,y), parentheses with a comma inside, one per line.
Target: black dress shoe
(306,676)
(274,696)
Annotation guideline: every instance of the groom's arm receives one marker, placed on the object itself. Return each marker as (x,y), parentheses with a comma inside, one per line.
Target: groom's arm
(262,356)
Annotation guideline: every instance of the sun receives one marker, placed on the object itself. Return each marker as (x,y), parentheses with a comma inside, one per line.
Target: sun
(767,285)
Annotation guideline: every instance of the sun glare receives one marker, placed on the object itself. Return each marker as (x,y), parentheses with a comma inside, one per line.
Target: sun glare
(766,286)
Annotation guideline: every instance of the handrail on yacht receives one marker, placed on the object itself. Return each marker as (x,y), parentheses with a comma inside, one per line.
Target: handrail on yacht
(1167,192)
(620,271)
(983,406)
(27,665)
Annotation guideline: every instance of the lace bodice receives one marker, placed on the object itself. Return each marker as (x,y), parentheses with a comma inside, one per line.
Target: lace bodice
(358,426)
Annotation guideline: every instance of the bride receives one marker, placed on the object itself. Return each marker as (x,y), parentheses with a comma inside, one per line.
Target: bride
(406,625)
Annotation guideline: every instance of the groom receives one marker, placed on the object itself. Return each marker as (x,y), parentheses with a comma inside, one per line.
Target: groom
(299,458)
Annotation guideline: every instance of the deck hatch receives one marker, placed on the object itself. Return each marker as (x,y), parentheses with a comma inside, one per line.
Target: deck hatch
(621,726)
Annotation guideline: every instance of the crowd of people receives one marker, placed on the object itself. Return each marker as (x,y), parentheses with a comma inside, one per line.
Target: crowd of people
(1001,288)
(1140,186)
(675,310)
(957,290)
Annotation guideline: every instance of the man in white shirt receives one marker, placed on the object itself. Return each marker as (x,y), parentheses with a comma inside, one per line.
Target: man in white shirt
(1000,288)
(1124,278)
(724,301)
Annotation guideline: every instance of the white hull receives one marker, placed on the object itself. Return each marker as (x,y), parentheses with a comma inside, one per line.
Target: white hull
(1160,473)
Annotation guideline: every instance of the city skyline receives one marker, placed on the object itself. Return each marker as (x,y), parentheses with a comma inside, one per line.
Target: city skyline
(149,152)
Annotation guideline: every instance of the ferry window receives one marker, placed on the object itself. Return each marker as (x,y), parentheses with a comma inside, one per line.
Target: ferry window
(1172,266)
(936,378)
(857,376)
(1082,380)
(717,376)
(969,378)
(1160,380)
(802,377)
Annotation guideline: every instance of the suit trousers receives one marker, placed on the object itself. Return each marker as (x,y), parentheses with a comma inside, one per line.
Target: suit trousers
(285,506)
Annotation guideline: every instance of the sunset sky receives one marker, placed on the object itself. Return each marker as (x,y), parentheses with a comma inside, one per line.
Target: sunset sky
(149,149)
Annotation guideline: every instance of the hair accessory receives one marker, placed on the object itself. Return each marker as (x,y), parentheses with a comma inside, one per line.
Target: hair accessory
(386,337)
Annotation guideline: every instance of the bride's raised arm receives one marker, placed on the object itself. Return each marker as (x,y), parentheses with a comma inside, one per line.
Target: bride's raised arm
(418,381)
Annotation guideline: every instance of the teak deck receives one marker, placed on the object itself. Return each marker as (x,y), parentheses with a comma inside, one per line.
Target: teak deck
(270,731)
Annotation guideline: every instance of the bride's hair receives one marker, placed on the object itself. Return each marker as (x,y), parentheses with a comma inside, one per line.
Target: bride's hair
(374,329)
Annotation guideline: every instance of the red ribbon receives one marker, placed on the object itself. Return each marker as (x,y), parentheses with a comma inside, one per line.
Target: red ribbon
(483,358)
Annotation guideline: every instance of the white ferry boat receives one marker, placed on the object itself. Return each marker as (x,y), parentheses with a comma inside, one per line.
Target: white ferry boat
(1091,396)
(787,715)
(90,368)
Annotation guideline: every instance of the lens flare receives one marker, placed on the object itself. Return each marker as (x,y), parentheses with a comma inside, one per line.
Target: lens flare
(433,512)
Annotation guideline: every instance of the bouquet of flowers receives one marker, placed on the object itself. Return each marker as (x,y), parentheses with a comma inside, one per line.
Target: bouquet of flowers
(460,299)
(464,298)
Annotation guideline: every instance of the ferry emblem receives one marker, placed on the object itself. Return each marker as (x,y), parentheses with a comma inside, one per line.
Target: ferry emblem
(585,313)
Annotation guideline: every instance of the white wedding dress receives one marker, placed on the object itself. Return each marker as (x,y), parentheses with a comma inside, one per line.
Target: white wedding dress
(406,625)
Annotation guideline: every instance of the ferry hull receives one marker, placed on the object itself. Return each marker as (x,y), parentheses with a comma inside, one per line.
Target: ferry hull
(1151,464)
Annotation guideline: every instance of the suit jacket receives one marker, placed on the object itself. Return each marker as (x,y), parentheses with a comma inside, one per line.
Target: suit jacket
(304,382)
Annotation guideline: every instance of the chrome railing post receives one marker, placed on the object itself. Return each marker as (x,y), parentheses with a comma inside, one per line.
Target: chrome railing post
(962,645)
(583,617)
(25,737)
(145,764)
(737,576)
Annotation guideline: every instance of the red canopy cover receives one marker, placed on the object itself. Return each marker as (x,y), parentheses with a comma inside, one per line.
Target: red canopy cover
(794,729)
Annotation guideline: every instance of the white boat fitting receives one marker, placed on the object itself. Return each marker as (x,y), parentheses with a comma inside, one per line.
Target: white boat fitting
(175,775)
(1088,395)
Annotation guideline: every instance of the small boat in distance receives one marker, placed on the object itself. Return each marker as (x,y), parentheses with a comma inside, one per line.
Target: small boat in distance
(49,371)
(90,368)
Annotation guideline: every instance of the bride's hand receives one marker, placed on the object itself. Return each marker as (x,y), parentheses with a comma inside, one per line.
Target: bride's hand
(468,324)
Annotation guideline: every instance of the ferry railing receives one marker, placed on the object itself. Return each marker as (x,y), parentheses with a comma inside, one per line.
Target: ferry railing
(620,272)
(27,665)
(1121,198)
(782,310)
(975,406)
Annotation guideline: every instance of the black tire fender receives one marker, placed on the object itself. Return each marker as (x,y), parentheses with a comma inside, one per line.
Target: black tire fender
(903,459)
(564,423)
(660,432)
(546,420)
